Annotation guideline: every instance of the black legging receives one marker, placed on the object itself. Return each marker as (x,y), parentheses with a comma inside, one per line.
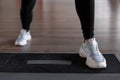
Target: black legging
(26,13)
(84,8)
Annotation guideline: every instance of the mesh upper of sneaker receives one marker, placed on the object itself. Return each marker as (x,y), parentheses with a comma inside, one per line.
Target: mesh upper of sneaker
(91,48)
(23,35)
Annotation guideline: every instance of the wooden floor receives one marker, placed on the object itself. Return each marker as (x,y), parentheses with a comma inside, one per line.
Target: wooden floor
(56,27)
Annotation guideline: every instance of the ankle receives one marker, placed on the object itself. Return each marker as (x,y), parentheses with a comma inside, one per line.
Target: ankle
(27,30)
(87,40)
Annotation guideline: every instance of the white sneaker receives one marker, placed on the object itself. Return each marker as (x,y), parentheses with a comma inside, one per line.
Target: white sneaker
(90,50)
(23,38)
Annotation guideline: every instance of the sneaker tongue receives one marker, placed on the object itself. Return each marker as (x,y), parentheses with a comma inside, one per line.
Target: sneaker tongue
(94,45)
(92,41)
(23,31)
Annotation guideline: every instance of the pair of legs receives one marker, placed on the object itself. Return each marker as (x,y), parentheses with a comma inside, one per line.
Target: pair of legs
(85,10)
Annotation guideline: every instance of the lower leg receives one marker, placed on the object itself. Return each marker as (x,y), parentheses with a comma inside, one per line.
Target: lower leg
(26,13)
(85,10)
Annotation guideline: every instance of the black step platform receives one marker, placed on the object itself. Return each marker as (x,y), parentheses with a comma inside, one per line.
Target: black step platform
(52,63)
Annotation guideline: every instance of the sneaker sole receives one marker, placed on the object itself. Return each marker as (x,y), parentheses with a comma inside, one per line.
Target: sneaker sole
(82,53)
(17,43)
(92,64)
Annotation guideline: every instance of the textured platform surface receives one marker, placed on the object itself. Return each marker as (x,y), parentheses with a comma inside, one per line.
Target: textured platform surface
(53,63)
